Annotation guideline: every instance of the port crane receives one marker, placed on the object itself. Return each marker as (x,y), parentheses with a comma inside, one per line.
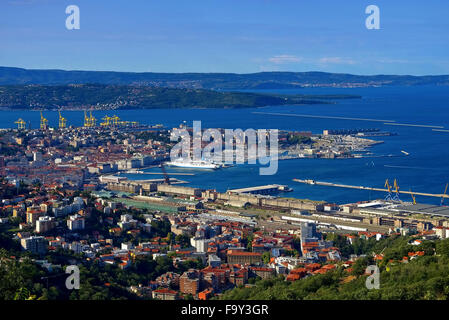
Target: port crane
(107,121)
(44,123)
(62,121)
(20,124)
(396,189)
(86,119)
(390,189)
(92,120)
(115,120)
(396,186)
(413,197)
(89,121)
(387,185)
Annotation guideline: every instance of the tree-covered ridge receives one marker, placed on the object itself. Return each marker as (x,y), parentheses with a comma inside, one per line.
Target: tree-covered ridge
(423,278)
(260,80)
(145,97)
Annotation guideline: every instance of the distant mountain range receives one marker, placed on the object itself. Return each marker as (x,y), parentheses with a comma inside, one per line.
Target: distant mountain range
(214,81)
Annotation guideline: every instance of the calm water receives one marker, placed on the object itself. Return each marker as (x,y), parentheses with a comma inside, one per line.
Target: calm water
(426,169)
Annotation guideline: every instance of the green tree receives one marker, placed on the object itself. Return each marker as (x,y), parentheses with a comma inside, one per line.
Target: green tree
(266,256)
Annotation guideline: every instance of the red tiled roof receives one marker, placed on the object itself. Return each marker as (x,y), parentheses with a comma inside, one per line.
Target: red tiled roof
(243,253)
(166,291)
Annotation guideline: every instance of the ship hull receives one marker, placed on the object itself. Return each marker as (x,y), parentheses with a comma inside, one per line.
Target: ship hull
(192,165)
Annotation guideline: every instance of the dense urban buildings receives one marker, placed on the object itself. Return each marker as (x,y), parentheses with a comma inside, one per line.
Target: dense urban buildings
(64,197)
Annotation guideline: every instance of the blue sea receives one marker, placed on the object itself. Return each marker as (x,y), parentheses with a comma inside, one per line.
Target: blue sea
(426,169)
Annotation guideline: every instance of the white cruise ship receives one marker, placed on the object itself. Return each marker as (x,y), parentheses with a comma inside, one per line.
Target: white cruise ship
(183,163)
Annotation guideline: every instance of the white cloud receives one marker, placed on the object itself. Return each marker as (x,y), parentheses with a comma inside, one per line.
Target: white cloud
(388,60)
(25,2)
(336,60)
(284,58)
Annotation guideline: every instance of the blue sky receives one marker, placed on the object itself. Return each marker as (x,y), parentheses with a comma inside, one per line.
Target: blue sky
(239,36)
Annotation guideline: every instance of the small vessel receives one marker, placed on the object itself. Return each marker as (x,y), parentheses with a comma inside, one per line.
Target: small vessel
(404,152)
(134,171)
(285,189)
(187,163)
